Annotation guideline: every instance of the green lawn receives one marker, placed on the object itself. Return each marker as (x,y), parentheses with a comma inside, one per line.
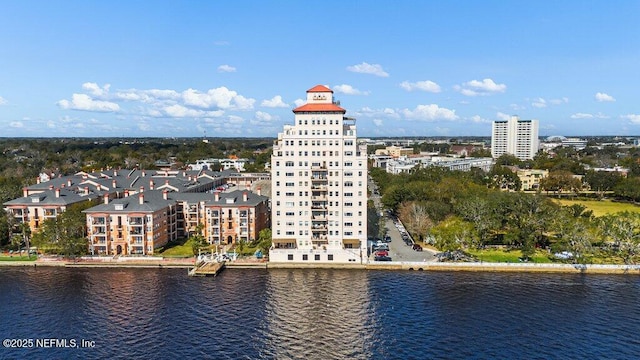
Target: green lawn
(512,256)
(601,207)
(180,249)
(4,257)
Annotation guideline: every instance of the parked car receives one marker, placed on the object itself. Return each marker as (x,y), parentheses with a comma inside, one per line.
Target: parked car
(382,258)
(417,247)
(381,253)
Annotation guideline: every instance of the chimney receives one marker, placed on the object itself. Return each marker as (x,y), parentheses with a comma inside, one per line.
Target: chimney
(62,186)
(113,184)
(151,185)
(37,179)
(184,173)
(216,196)
(165,194)
(86,190)
(50,187)
(244,196)
(166,182)
(143,173)
(57,193)
(259,191)
(141,198)
(126,192)
(141,189)
(69,183)
(106,198)
(115,172)
(25,192)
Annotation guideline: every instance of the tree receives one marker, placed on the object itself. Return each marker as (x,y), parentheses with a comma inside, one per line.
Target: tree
(528,219)
(264,237)
(453,234)
(480,212)
(504,179)
(623,232)
(415,218)
(560,181)
(508,160)
(628,188)
(197,240)
(601,181)
(574,234)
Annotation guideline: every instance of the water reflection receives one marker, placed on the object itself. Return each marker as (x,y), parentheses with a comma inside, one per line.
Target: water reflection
(317,314)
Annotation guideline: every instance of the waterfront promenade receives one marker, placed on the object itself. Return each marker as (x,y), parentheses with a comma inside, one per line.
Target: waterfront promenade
(157,262)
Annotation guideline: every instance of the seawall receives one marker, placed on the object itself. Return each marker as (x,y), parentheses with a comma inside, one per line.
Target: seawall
(406,266)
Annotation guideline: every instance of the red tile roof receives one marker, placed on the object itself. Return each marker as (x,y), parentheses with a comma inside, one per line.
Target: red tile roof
(319,88)
(319,107)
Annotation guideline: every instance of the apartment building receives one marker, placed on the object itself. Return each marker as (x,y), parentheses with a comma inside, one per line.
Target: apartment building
(36,207)
(141,222)
(136,224)
(319,186)
(236,216)
(516,137)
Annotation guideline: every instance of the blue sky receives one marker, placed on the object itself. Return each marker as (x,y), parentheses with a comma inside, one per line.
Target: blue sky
(238,68)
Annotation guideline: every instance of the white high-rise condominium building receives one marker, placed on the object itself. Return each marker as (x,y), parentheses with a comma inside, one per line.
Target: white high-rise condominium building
(319,186)
(516,137)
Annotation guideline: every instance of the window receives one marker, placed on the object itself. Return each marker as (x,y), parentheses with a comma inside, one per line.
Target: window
(305,257)
(317,257)
(330,257)
(290,257)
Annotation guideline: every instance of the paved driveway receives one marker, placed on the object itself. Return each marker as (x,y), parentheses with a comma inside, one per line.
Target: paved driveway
(398,250)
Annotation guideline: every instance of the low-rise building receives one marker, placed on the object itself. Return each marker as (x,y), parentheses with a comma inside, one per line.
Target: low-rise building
(530,178)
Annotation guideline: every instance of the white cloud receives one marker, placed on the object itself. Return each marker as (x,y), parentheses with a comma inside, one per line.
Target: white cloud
(563,100)
(427,85)
(221,97)
(539,103)
(365,68)
(480,88)
(634,118)
(275,102)
(377,122)
(226,68)
(299,102)
(95,89)
(387,113)
(480,120)
(263,116)
(151,96)
(349,90)
(86,103)
(180,111)
(503,116)
(3,101)
(16,124)
(430,112)
(602,97)
(581,116)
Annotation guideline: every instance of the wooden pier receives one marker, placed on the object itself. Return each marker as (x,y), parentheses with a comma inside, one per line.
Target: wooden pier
(207,268)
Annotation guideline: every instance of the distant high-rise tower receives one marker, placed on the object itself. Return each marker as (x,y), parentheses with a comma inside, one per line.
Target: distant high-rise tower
(516,137)
(319,186)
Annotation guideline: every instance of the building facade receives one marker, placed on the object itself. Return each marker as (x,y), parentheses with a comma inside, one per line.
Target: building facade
(516,137)
(319,186)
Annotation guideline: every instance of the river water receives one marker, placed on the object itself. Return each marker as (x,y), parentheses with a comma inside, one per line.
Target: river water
(316,314)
